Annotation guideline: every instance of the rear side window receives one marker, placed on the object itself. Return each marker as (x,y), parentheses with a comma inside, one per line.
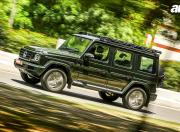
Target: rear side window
(147,65)
(123,58)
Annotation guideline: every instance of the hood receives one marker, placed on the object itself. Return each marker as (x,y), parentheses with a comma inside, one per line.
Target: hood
(50,51)
(38,49)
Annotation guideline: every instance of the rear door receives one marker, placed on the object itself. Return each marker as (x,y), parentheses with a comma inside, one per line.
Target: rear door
(146,69)
(121,72)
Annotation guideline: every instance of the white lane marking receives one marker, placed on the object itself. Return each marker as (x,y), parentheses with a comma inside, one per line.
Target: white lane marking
(167,107)
(13,72)
(8,54)
(170,100)
(5,62)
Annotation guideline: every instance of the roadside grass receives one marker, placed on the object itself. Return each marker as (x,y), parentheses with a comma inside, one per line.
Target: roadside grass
(16,39)
(23,110)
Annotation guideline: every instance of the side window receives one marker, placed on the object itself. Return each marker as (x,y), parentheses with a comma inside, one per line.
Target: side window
(123,58)
(100,52)
(147,65)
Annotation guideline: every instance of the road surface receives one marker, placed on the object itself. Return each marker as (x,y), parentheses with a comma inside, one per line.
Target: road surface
(10,75)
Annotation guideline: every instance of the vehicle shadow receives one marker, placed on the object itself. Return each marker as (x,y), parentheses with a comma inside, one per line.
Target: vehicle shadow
(98,100)
(82,96)
(23,110)
(37,86)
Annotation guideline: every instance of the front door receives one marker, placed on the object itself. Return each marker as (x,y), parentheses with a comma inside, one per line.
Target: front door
(96,69)
(121,71)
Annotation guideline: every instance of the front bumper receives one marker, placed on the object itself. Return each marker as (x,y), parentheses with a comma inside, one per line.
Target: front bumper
(29,68)
(153,97)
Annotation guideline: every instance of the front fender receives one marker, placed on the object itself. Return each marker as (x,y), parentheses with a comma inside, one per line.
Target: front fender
(63,66)
(55,63)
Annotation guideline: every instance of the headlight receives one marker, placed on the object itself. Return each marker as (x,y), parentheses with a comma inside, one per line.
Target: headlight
(37,57)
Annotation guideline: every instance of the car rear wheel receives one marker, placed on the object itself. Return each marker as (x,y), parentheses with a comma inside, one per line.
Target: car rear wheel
(54,80)
(135,98)
(29,79)
(108,96)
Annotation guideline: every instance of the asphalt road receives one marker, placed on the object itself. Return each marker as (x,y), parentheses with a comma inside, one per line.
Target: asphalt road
(10,75)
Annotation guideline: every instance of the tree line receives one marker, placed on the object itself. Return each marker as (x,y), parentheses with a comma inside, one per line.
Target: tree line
(128,20)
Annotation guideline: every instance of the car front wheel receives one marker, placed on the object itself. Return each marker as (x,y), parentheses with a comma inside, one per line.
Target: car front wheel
(54,80)
(108,96)
(29,79)
(135,98)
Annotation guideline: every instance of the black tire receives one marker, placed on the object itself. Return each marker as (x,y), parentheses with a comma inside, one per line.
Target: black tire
(29,79)
(45,80)
(108,97)
(126,98)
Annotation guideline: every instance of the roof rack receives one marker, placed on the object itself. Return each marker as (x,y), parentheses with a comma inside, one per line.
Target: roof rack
(110,40)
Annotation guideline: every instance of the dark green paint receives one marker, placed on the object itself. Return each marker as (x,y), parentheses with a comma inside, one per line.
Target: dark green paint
(111,77)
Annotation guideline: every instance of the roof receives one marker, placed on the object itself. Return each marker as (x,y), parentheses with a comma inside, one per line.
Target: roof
(87,36)
(119,43)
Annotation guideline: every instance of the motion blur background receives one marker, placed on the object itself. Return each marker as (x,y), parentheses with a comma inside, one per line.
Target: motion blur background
(40,22)
(43,22)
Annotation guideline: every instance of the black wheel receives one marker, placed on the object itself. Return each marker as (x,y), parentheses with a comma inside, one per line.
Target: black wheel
(135,98)
(29,79)
(54,80)
(108,96)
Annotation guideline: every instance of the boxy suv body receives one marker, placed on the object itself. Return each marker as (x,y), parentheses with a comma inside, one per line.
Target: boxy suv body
(112,67)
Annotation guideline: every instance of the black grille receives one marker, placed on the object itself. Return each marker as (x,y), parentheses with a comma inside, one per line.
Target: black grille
(26,54)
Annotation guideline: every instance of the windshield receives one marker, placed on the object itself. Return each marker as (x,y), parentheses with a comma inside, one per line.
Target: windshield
(76,45)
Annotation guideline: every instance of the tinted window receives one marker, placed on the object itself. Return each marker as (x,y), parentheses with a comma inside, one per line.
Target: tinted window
(147,65)
(123,58)
(76,45)
(100,52)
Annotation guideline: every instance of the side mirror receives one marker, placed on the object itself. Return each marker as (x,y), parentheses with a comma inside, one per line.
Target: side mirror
(88,56)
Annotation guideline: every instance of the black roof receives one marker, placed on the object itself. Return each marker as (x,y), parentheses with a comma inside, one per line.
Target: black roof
(121,43)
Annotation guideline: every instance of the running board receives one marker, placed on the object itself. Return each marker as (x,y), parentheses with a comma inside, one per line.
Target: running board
(94,87)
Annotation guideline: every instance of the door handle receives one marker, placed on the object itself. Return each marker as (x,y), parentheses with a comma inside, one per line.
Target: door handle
(79,62)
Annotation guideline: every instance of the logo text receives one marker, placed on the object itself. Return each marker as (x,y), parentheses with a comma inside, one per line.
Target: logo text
(175,9)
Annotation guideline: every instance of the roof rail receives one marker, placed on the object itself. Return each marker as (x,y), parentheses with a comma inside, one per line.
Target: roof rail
(110,40)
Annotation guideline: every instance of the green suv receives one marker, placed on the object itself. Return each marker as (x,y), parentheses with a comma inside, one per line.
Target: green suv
(113,68)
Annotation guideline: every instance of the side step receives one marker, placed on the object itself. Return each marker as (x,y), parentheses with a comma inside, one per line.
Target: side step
(94,87)
(79,84)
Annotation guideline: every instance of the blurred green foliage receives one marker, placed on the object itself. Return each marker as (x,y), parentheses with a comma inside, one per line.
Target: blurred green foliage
(3,35)
(172,75)
(120,19)
(12,40)
(128,20)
